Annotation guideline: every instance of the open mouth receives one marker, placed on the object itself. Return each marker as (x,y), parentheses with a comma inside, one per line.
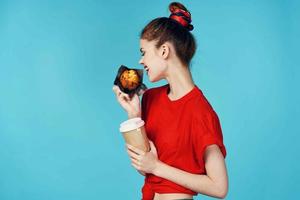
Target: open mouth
(146,69)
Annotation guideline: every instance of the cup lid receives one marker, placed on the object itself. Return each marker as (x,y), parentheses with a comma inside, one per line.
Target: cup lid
(131,124)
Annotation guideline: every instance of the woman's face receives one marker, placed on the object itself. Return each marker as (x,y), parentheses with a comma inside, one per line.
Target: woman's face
(152,60)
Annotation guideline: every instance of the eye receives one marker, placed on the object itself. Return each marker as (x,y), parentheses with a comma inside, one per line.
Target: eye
(143,53)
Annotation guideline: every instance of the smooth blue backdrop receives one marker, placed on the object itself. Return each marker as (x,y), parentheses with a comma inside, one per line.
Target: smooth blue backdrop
(59,118)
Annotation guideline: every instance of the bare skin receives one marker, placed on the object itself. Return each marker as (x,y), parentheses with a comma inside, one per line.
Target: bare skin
(162,63)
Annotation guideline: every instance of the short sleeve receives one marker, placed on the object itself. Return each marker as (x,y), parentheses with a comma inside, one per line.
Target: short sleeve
(206,130)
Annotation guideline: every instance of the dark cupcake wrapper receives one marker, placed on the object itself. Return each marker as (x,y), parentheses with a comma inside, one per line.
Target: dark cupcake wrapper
(141,86)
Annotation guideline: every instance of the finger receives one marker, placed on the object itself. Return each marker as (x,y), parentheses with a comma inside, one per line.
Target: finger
(136,162)
(136,166)
(117,92)
(141,172)
(143,90)
(133,155)
(116,89)
(124,96)
(123,99)
(131,151)
(136,150)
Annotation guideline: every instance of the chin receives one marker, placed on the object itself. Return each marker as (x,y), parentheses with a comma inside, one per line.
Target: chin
(153,80)
(155,77)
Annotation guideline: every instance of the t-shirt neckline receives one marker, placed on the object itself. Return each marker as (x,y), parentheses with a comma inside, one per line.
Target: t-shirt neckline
(182,99)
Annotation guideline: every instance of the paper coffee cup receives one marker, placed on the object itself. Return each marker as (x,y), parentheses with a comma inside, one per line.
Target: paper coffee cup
(134,133)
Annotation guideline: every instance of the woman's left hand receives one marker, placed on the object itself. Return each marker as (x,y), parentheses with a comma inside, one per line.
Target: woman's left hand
(145,162)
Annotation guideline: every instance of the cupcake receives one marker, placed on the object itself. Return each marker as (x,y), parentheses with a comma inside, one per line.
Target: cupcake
(130,81)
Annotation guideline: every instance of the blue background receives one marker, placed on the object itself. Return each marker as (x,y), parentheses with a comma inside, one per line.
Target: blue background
(59,118)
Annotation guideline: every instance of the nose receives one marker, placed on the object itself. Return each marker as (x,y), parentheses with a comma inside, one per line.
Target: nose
(141,61)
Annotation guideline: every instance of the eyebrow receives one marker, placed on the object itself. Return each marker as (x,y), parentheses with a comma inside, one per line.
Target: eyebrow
(141,49)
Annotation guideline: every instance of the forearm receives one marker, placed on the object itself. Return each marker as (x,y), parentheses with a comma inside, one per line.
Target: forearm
(199,183)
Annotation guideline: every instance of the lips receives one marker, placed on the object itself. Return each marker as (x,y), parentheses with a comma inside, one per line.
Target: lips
(146,69)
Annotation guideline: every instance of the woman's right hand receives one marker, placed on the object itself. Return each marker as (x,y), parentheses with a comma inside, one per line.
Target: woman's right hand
(130,105)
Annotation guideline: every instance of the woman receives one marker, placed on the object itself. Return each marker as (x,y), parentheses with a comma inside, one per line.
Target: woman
(187,151)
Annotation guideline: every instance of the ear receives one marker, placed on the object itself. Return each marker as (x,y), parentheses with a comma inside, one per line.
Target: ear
(164,50)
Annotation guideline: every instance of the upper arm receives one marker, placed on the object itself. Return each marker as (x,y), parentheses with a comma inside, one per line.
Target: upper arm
(215,166)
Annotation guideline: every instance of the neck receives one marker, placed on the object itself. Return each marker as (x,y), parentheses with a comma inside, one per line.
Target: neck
(180,80)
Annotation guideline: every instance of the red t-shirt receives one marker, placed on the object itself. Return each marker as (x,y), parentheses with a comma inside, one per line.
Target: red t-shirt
(180,130)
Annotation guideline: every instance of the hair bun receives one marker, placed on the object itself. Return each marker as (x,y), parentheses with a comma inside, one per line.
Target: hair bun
(180,14)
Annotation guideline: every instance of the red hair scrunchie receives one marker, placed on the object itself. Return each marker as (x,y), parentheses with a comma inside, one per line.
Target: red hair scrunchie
(182,17)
